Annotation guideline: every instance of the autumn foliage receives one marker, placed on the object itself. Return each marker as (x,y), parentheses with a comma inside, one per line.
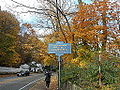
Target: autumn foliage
(93,30)
(9,29)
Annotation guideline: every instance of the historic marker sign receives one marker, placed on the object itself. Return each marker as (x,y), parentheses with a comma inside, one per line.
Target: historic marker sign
(59,48)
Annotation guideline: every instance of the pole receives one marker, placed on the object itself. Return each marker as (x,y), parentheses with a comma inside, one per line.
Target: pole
(100,74)
(59,76)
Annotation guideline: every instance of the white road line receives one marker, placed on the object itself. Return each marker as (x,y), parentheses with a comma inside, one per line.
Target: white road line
(30,83)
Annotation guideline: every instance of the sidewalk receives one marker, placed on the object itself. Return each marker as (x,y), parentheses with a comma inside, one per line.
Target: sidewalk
(40,85)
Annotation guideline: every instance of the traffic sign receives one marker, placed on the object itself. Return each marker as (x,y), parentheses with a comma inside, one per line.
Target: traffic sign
(59,48)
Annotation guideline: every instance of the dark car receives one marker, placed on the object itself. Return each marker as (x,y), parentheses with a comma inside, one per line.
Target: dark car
(23,73)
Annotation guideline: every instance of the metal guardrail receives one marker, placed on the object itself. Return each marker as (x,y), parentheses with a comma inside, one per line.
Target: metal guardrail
(9,70)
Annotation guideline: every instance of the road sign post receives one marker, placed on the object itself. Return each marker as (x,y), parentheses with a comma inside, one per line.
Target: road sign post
(59,73)
(59,48)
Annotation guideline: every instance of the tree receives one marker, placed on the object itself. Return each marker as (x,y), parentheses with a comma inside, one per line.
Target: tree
(96,22)
(94,28)
(9,29)
(32,48)
(55,15)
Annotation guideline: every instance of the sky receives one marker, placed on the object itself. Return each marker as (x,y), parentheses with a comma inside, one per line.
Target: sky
(28,17)
(24,17)
(87,1)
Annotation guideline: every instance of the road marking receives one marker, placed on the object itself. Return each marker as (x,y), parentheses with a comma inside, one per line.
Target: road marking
(30,83)
(11,80)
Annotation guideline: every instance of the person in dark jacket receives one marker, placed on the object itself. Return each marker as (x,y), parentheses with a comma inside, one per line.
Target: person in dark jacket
(47,78)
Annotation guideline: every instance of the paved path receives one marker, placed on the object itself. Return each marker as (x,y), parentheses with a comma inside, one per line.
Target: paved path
(19,83)
(40,85)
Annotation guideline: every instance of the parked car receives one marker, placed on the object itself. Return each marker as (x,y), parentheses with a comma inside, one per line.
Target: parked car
(23,73)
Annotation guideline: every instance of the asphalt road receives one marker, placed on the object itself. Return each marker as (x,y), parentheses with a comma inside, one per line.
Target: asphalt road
(19,83)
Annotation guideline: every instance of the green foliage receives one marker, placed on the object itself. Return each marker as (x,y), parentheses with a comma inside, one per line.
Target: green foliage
(110,73)
(88,77)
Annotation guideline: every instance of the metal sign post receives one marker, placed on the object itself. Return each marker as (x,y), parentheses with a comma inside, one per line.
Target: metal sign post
(59,48)
(59,73)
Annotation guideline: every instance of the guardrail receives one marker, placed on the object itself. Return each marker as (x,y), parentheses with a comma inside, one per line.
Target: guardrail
(4,70)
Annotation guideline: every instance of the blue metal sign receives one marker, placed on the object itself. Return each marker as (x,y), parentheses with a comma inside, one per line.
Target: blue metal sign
(59,48)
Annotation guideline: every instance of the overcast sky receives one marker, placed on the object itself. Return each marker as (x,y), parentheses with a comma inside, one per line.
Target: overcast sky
(26,18)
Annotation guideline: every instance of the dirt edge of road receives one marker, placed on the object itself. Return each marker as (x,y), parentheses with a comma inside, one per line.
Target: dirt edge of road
(40,85)
(7,75)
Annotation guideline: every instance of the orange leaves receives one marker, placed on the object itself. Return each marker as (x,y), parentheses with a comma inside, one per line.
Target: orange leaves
(90,23)
(83,23)
(93,21)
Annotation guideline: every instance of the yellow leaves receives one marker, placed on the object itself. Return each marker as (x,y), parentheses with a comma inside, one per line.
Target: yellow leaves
(67,58)
(83,58)
(15,59)
(82,64)
(9,28)
(79,62)
(2,53)
(76,61)
(27,46)
(8,23)
(12,48)
(47,61)
(35,47)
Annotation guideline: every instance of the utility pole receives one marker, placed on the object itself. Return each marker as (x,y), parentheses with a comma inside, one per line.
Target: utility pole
(99,60)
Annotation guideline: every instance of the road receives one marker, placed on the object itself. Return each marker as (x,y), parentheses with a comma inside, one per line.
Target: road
(19,83)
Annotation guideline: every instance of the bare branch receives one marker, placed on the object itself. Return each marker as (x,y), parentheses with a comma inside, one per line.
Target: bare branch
(33,7)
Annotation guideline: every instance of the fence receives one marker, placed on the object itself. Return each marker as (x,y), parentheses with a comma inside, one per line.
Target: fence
(4,70)
(70,86)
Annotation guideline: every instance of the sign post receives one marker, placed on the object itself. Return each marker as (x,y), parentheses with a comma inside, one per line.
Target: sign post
(59,48)
(59,76)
